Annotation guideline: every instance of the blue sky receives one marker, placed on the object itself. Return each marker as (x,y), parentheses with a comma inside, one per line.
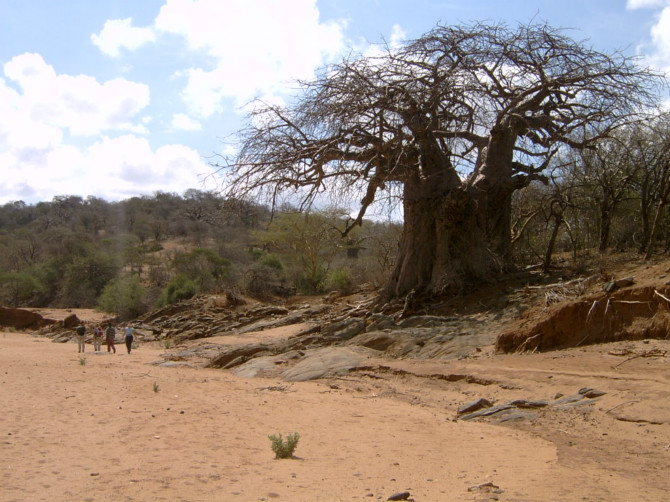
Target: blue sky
(119,98)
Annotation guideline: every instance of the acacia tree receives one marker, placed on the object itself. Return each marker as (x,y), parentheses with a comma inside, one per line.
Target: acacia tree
(453,122)
(602,178)
(610,174)
(657,177)
(312,241)
(648,153)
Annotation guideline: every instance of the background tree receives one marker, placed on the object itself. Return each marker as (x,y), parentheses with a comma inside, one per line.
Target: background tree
(309,243)
(85,277)
(18,288)
(124,296)
(453,122)
(605,174)
(651,147)
(202,266)
(267,277)
(381,248)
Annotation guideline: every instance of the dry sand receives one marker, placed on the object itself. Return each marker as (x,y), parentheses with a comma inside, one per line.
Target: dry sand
(119,428)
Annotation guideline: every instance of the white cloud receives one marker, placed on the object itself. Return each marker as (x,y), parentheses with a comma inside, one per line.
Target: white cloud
(112,169)
(398,36)
(645,4)
(397,39)
(660,34)
(183,122)
(256,48)
(129,162)
(657,53)
(120,33)
(79,103)
(52,143)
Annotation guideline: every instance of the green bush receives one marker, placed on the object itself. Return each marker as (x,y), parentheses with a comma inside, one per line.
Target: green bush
(18,288)
(178,289)
(311,281)
(284,449)
(340,280)
(272,261)
(123,296)
(266,278)
(85,277)
(202,266)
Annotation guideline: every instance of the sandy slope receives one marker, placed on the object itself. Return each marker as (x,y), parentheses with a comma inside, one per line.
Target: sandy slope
(99,430)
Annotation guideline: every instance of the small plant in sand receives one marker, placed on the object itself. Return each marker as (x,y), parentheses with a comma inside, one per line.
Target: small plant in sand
(167,343)
(156,387)
(82,360)
(284,449)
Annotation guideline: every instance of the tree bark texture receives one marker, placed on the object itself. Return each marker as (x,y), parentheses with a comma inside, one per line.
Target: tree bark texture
(443,246)
(493,191)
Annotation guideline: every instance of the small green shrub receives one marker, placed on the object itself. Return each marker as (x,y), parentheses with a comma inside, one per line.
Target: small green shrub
(272,261)
(284,449)
(123,296)
(18,288)
(264,280)
(310,281)
(180,288)
(340,280)
(82,361)
(156,387)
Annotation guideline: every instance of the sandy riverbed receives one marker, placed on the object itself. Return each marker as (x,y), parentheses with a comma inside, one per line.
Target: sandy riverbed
(115,427)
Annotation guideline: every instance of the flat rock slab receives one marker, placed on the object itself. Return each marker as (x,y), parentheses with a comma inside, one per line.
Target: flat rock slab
(493,410)
(475,405)
(652,408)
(299,366)
(576,404)
(512,411)
(267,366)
(514,416)
(524,403)
(568,400)
(175,364)
(591,393)
(321,363)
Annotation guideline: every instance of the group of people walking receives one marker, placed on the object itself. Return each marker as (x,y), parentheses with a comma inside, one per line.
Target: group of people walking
(109,335)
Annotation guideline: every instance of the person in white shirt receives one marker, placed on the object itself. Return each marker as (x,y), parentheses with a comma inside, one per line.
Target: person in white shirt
(129,338)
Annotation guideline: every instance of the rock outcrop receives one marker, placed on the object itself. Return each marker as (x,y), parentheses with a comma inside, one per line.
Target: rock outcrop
(22,319)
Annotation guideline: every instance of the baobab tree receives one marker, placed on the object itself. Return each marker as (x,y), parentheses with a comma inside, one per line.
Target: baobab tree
(453,123)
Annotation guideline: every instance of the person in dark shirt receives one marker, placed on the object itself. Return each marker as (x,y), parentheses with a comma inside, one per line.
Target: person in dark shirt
(80,334)
(110,336)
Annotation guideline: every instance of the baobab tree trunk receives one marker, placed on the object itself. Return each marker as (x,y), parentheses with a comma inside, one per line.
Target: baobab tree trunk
(442,247)
(493,189)
(455,233)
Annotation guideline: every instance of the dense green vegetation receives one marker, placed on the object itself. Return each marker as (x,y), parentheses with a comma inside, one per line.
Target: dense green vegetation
(129,256)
